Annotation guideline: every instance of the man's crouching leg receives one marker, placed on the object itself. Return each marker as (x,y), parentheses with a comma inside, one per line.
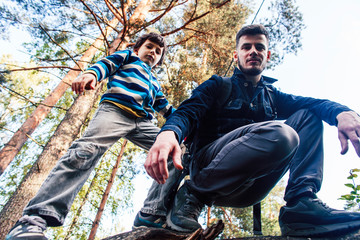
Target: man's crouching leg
(237,170)
(304,214)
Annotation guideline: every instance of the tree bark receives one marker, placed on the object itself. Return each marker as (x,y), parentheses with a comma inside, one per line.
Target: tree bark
(106,193)
(145,233)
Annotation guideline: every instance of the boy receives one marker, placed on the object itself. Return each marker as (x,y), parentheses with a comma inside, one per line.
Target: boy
(125,110)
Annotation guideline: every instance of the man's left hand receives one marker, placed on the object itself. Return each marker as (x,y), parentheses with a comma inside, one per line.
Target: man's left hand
(349,129)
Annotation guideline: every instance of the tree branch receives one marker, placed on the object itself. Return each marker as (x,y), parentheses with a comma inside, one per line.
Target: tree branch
(39,67)
(114,11)
(31,138)
(60,46)
(195,19)
(27,99)
(97,23)
(176,5)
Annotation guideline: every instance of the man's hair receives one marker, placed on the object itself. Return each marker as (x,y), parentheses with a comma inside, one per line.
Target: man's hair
(155,38)
(251,30)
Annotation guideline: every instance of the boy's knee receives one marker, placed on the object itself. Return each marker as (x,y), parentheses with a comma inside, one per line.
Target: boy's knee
(82,156)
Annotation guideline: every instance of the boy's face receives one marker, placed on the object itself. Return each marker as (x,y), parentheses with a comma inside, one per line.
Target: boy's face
(150,53)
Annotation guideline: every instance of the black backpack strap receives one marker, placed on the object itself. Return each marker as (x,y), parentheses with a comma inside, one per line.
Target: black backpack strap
(225,91)
(270,92)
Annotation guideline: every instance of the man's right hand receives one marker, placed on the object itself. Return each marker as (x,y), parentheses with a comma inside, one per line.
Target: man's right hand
(86,81)
(165,145)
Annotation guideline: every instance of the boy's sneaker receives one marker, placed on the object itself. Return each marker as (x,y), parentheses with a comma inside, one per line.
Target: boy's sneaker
(310,217)
(28,228)
(148,220)
(184,214)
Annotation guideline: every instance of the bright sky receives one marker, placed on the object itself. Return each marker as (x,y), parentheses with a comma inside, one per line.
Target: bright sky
(326,67)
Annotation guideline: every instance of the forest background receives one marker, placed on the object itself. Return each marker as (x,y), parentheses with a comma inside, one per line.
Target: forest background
(60,33)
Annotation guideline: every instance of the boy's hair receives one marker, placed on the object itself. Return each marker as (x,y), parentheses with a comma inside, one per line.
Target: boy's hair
(251,30)
(155,38)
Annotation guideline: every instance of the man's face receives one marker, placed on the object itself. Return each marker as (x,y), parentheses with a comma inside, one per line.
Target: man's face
(149,52)
(252,54)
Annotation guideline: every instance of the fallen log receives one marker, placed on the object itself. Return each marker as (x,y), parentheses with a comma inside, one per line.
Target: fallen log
(145,233)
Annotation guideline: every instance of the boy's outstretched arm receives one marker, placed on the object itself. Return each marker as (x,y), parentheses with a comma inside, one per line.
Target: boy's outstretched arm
(86,81)
(164,146)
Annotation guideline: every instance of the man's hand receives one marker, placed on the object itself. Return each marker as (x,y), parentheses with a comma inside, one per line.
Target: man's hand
(85,81)
(165,145)
(349,128)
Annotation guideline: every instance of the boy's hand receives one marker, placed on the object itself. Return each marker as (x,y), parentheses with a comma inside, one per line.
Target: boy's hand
(349,129)
(156,162)
(84,82)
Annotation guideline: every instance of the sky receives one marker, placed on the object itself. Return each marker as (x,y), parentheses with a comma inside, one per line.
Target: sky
(327,67)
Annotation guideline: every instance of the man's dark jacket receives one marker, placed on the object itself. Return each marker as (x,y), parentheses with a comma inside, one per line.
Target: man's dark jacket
(203,121)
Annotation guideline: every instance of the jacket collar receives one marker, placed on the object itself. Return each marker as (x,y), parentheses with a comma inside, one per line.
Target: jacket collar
(264,79)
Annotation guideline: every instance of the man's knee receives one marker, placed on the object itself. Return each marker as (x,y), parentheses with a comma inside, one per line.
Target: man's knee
(286,140)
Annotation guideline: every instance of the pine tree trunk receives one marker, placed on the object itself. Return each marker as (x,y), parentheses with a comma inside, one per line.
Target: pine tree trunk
(14,145)
(106,193)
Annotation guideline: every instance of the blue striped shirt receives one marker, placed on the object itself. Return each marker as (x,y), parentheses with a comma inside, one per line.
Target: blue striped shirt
(131,85)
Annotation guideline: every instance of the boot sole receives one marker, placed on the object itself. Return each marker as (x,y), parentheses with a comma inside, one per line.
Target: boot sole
(309,230)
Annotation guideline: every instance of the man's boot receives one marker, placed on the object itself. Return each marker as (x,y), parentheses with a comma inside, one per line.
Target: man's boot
(184,213)
(310,217)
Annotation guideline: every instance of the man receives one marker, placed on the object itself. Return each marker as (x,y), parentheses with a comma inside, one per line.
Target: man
(240,152)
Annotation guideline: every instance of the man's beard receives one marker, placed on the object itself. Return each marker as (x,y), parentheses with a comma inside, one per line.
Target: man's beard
(251,71)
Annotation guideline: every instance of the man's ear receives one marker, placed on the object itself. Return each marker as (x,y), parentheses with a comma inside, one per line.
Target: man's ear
(268,56)
(235,56)
(136,51)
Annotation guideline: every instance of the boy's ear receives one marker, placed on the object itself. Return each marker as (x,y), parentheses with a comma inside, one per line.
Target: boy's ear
(136,51)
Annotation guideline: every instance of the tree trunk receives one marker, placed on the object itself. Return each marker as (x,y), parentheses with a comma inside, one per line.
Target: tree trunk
(14,145)
(106,193)
(145,233)
(65,133)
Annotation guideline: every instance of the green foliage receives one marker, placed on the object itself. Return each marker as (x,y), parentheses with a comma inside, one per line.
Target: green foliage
(353,198)
(285,27)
